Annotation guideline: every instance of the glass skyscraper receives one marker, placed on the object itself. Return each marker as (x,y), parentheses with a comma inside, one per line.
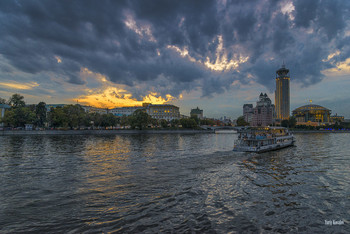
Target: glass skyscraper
(282,93)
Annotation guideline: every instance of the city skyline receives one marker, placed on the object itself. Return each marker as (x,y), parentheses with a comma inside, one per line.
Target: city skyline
(217,55)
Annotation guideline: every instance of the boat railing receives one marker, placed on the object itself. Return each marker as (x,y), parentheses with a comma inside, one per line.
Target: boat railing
(262,135)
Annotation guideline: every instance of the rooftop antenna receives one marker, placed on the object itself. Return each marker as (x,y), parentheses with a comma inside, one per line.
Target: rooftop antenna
(283,64)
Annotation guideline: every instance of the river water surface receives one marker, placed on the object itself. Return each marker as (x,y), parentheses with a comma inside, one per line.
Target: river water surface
(173,183)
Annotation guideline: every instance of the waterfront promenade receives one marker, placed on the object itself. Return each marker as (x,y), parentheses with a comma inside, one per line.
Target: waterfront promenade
(101,132)
(319,131)
(119,131)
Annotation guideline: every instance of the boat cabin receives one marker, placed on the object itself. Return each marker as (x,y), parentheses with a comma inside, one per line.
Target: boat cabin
(263,136)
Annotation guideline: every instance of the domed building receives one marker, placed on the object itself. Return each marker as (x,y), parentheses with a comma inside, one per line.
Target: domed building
(312,115)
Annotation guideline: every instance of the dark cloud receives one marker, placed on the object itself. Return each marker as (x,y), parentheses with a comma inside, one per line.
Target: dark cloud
(282,38)
(332,16)
(128,41)
(305,12)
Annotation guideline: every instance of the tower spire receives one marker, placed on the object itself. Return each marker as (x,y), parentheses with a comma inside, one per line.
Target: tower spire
(282,94)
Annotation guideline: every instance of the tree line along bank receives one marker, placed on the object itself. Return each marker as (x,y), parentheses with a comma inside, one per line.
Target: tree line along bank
(18,115)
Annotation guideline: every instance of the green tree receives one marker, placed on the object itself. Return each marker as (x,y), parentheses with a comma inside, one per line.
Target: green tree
(58,117)
(195,118)
(18,117)
(292,122)
(112,120)
(87,120)
(29,116)
(40,111)
(92,120)
(153,122)
(285,123)
(124,121)
(139,119)
(108,120)
(96,119)
(175,123)
(188,123)
(75,115)
(163,123)
(17,100)
(2,101)
(207,122)
(241,121)
(9,118)
(104,121)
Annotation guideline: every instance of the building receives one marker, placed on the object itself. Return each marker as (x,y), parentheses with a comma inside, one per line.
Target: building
(3,108)
(197,112)
(248,112)
(87,109)
(336,118)
(282,93)
(28,127)
(165,111)
(92,109)
(264,112)
(52,106)
(226,120)
(312,114)
(127,111)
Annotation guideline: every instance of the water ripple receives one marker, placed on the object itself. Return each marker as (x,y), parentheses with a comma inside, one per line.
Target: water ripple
(172,183)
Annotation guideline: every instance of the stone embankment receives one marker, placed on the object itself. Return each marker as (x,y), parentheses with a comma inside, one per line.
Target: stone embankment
(99,132)
(318,131)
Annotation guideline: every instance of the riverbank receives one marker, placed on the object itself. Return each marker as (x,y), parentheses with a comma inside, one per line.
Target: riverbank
(100,132)
(118,132)
(318,131)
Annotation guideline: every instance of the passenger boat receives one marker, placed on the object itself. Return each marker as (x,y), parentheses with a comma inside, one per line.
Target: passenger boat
(262,139)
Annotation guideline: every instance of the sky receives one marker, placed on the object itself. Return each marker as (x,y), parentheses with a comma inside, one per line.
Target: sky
(215,55)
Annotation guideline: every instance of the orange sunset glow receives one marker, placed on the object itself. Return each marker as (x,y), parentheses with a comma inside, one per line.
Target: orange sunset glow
(112,97)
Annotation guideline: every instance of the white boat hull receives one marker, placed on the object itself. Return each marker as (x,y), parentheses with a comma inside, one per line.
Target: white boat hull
(261,149)
(262,139)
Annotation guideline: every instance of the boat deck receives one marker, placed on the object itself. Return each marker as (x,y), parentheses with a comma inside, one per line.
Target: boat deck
(263,140)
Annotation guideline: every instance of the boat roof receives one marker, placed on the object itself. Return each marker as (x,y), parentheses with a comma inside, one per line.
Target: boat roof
(263,129)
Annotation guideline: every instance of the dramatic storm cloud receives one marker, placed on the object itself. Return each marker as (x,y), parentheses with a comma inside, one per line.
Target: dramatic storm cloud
(172,47)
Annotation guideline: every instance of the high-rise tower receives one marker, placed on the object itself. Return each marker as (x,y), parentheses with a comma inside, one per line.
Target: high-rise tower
(282,94)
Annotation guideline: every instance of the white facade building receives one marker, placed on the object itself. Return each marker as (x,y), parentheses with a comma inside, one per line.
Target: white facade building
(248,112)
(127,111)
(165,111)
(264,112)
(3,108)
(91,109)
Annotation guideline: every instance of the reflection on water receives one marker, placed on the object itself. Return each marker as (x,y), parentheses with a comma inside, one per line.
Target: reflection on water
(172,183)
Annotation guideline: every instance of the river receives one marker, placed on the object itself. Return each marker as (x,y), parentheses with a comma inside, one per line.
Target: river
(173,183)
